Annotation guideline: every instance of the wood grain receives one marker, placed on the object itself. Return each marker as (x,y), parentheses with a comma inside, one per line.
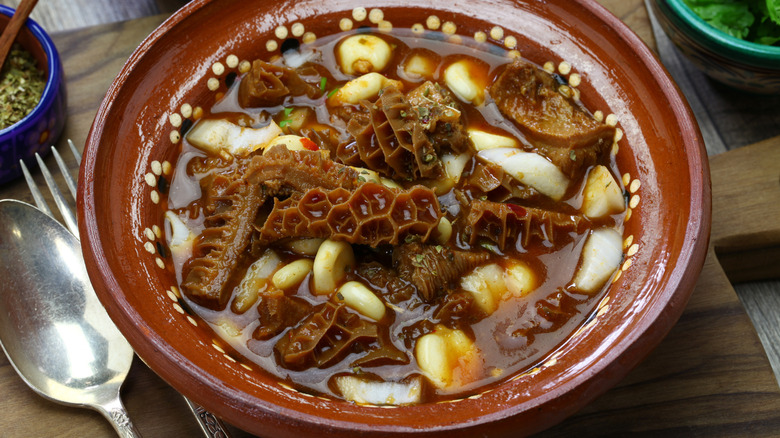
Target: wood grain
(746,182)
(63,15)
(709,377)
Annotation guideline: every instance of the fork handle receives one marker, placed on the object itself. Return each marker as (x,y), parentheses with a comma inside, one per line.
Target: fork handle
(211,426)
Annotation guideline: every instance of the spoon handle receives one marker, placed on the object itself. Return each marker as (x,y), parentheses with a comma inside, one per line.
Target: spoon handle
(116,414)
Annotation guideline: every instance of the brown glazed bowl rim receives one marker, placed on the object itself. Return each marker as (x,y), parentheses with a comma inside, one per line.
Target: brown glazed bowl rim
(667,280)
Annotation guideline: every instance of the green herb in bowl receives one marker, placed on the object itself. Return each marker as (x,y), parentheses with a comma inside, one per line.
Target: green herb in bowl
(752,20)
(21,86)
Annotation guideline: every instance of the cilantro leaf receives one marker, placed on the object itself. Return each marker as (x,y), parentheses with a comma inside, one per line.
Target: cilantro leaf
(752,20)
(773,10)
(729,16)
(767,32)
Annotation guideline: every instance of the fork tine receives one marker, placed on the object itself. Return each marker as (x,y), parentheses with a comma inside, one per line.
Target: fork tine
(65,172)
(37,195)
(67,214)
(209,424)
(74,151)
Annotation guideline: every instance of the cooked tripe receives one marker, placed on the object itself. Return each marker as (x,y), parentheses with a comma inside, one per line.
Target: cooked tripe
(392,218)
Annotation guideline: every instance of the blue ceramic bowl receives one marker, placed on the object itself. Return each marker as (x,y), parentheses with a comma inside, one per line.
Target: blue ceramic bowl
(43,125)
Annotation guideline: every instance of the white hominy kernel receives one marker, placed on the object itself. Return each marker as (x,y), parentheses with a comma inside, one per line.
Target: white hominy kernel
(564,68)
(149,234)
(497,33)
(443,231)
(149,247)
(549,67)
(297,29)
(458,78)
(361,54)
(192,320)
(155,196)
(160,263)
(634,201)
(598,115)
(418,28)
(626,179)
(361,299)
(178,308)
(271,45)
(611,120)
(244,66)
(629,240)
(213,84)
(291,274)
(281,32)
(306,246)
(156,167)
(172,296)
(218,68)
(632,249)
(449,28)
(575,80)
(480,37)
(151,180)
(333,258)
(175,137)
(626,265)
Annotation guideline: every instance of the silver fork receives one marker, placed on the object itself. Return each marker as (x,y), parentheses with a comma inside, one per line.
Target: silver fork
(211,426)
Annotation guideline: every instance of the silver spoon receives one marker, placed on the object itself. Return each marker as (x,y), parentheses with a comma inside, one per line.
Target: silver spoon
(53,329)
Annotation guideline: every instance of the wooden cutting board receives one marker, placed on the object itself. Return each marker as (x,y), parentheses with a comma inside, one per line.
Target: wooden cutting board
(709,377)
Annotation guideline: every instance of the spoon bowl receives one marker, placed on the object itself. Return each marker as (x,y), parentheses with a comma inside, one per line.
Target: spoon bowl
(53,329)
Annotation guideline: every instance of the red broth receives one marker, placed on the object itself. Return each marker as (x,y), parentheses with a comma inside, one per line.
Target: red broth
(519,334)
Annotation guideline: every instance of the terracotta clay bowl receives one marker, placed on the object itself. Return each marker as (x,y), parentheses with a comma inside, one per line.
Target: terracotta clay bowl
(38,130)
(135,137)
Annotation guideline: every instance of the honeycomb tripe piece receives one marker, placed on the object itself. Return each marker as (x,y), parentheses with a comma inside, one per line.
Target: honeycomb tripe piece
(371,215)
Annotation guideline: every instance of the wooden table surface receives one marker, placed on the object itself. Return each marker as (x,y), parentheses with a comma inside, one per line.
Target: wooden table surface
(709,377)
